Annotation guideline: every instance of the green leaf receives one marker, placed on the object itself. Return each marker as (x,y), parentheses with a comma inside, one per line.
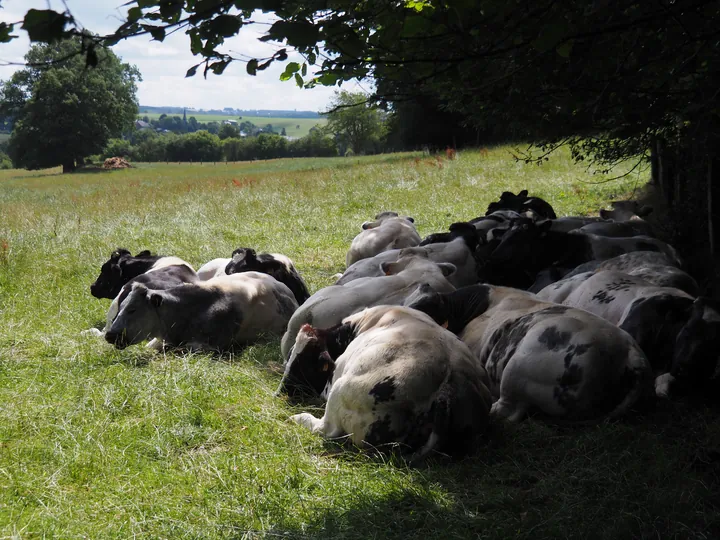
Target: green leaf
(565,49)
(5,30)
(45,25)
(196,45)
(157,32)
(134,14)
(219,66)
(297,33)
(225,25)
(265,64)
(304,69)
(252,66)
(292,67)
(192,71)
(312,58)
(299,80)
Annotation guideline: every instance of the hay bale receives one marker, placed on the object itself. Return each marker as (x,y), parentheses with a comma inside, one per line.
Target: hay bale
(116,163)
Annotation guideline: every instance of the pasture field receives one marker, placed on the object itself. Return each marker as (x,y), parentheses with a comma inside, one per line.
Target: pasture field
(290,124)
(100,443)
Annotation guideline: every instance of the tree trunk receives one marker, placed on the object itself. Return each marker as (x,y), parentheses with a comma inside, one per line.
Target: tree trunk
(81,162)
(68,166)
(713,203)
(654,163)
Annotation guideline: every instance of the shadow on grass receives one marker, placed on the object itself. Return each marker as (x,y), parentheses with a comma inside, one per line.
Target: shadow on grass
(655,475)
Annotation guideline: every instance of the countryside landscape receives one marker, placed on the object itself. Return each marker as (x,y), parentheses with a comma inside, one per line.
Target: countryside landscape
(532,150)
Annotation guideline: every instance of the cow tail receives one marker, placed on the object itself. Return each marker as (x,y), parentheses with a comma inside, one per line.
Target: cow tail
(637,369)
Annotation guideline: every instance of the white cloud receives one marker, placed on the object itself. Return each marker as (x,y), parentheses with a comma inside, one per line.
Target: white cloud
(163,65)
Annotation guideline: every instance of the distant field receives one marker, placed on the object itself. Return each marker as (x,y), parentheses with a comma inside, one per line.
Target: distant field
(294,127)
(104,443)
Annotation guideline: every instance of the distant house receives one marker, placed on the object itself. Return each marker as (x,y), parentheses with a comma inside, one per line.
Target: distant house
(139,124)
(230,122)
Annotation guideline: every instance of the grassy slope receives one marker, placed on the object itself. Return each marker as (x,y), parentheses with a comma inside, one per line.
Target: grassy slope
(103,443)
(290,124)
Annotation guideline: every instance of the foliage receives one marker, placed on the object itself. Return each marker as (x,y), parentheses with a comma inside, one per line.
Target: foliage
(64,112)
(103,443)
(5,162)
(227,131)
(356,124)
(117,148)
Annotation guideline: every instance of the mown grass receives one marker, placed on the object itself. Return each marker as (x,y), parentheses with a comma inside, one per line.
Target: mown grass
(111,444)
(294,127)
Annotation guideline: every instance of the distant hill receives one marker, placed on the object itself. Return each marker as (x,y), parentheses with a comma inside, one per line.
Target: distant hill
(229,111)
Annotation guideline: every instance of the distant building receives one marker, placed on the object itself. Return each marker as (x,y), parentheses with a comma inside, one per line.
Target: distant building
(230,122)
(139,124)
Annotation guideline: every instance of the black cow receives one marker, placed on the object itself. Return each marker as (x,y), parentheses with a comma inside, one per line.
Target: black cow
(521,203)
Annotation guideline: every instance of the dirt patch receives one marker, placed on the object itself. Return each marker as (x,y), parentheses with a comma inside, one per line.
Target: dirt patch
(116,163)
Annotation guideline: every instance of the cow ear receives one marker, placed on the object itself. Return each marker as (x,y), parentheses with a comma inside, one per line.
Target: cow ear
(644,211)
(387,268)
(411,220)
(369,225)
(119,252)
(604,214)
(144,253)
(448,269)
(156,299)
(523,193)
(326,362)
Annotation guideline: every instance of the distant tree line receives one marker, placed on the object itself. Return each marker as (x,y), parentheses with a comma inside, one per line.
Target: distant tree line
(203,146)
(177,124)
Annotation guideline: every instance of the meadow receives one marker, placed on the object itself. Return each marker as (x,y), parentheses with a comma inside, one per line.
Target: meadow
(101,443)
(294,127)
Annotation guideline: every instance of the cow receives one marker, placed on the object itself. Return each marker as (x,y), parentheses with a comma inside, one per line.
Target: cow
(213,268)
(391,376)
(122,267)
(561,361)
(618,230)
(527,249)
(679,333)
(520,203)
(457,251)
(274,264)
(213,315)
(328,306)
(626,211)
(570,223)
(388,231)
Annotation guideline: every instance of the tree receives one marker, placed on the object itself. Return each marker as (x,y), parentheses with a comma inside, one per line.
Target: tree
(228,131)
(355,123)
(64,112)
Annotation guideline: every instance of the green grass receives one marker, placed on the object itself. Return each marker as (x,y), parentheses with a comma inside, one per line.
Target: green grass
(294,127)
(101,443)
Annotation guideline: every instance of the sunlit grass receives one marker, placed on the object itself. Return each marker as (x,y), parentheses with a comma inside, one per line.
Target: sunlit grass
(101,443)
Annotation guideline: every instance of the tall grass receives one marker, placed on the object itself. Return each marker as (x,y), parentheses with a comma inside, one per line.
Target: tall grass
(101,443)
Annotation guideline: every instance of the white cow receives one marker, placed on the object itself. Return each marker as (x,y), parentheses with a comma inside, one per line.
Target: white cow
(391,375)
(388,231)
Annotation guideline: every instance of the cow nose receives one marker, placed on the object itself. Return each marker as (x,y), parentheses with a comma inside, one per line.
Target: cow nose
(111,337)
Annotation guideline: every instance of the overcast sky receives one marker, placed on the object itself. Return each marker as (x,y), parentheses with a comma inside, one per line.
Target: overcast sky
(163,65)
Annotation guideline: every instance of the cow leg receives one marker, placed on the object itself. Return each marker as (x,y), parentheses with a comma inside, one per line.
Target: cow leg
(111,314)
(156,344)
(316,425)
(662,385)
(512,412)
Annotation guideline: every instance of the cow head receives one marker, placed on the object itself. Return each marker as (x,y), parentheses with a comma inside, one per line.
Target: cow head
(310,367)
(430,302)
(383,216)
(243,260)
(521,242)
(696,346)
(118,270)
(138,318)
(626,210)
(413,258)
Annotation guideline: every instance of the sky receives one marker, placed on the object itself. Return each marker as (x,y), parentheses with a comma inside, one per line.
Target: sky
(163,65)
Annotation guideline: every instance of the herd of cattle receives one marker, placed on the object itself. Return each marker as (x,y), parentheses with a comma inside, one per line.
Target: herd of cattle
(420,341)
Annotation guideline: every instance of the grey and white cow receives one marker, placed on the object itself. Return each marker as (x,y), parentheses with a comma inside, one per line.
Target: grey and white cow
(213,268)
(391,376)
(388,231)
(562,361)
(679,334)
(456,252)
(216,314)
(328,306)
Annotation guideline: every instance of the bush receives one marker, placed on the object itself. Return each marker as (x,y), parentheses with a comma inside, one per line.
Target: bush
(5,162)
(117,148)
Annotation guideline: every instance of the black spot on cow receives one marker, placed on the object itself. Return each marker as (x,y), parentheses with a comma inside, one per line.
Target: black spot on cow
(384,390)
(565,393)
(380,432)
(602,297)
(647,246)
(552,310)
(620,285)
(572,351)
(553,339)
(504,342)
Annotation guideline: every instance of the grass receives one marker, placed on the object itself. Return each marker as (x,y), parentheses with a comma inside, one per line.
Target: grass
(294,127)
(101,443)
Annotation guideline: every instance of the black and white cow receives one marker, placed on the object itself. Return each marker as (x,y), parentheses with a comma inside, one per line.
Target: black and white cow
(527,249)
(388,231)
(570,223)
(457,251)
(213,268)
(562,361)
(122,267)
(391,376)
(679,334)
(521,203)
(328,306)
(274,264)
(216,314)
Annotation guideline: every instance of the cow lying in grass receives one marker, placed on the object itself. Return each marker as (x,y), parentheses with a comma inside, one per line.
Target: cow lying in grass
(388,231)
(540,356)
(390,376)
(217,314)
